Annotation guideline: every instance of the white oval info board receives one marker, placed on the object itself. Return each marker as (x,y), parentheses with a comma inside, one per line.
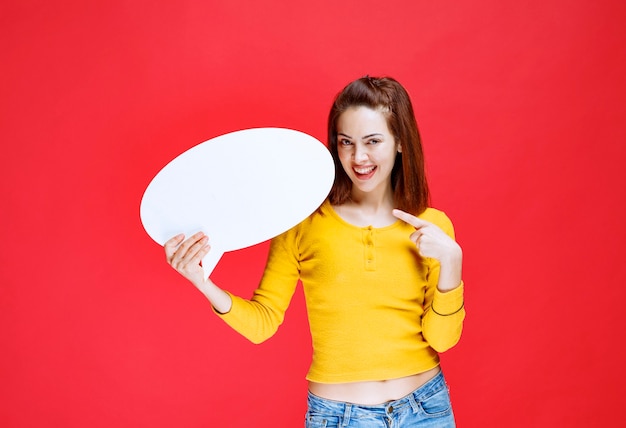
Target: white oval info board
(240,188)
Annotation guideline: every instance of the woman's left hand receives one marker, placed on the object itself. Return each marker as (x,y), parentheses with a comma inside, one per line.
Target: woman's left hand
(434,243)
(430,240)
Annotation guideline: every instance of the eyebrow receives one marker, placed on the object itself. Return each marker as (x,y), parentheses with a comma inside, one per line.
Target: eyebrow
(365,137)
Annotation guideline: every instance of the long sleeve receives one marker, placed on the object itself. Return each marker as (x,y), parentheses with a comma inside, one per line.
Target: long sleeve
(259,318)
(442,322)
(442,329)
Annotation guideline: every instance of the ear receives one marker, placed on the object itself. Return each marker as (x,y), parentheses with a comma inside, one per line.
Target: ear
(399,148)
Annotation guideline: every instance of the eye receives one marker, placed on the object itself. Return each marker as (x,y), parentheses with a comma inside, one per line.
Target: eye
(344,142)
(374,141)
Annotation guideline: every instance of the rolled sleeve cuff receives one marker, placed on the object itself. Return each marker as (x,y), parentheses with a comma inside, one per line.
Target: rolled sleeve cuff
(233,299)
(449,302)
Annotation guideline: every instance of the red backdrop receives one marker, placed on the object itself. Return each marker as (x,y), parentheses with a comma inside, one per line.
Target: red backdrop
(521,107)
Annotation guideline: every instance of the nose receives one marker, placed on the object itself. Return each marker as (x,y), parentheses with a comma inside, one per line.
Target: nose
(360,153)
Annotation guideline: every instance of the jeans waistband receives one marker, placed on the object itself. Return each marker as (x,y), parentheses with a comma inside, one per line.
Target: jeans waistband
(345,410)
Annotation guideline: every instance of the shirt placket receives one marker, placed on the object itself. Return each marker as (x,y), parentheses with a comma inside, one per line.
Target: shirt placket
(369,248)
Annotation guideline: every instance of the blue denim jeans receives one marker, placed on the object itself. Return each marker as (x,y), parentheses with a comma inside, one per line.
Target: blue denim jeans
(426,407)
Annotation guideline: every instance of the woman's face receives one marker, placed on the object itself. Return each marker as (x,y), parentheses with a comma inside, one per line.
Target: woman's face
(367,150)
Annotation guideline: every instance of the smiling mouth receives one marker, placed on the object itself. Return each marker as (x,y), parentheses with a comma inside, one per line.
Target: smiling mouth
(364,172)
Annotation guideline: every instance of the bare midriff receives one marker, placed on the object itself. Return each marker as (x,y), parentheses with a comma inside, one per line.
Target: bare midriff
(372,392)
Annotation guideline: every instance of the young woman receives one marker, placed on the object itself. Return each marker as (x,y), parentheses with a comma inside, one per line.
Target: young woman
(381,273)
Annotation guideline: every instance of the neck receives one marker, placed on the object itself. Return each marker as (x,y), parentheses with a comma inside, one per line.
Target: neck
(373,201)
(368,210)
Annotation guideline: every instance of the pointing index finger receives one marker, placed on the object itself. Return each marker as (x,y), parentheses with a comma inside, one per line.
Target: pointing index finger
(409,218)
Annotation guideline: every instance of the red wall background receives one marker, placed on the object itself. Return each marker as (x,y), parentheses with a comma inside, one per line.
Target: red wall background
(521,107)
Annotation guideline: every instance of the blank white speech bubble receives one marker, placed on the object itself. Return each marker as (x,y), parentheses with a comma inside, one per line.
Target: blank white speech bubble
(240,188)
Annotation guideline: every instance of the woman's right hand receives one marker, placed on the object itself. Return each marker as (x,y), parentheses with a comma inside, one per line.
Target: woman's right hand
(186,257)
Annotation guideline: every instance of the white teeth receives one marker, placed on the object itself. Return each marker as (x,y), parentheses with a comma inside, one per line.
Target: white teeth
(364,170)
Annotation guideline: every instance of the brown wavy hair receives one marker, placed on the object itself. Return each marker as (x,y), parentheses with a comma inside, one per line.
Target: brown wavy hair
(408,176)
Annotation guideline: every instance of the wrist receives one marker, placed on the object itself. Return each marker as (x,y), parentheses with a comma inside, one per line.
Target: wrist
(219,299)
(450,273)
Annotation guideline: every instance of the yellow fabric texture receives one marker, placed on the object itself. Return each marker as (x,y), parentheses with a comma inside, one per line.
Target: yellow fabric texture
(368,295)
